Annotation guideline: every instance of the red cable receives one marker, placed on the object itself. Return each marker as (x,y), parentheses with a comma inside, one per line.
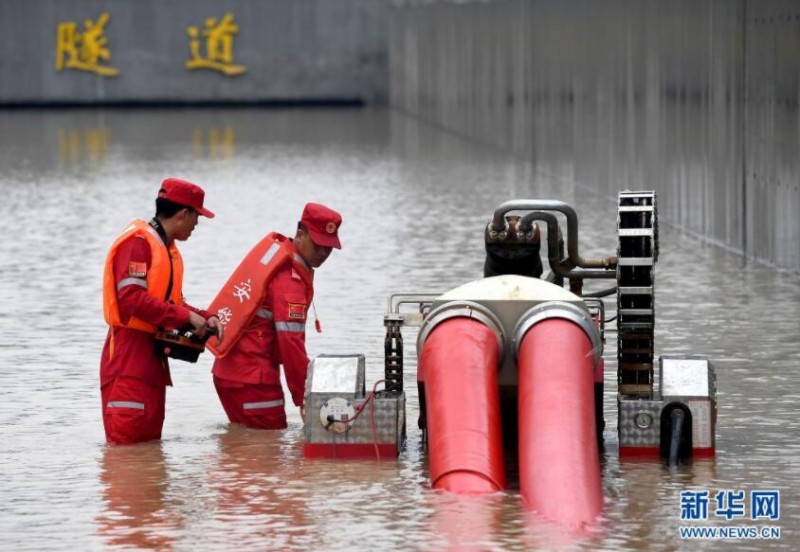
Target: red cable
(370,399)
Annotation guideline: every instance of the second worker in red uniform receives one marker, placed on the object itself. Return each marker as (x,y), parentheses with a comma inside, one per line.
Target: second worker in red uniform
(247,372)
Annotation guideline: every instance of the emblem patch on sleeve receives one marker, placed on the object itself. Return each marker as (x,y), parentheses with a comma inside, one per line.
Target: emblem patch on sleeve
(137,270)
(297,310)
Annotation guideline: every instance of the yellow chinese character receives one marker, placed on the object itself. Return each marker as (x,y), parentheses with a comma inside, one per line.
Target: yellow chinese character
(84,51)
(219,46)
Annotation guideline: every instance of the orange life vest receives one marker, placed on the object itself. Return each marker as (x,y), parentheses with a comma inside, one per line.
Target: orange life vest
(158,275)
(243,294)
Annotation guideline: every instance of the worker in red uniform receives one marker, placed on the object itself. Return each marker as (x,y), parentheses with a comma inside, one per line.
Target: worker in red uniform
(142,291)
(247,376)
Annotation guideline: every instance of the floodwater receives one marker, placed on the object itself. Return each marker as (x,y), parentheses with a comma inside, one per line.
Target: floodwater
(415,201)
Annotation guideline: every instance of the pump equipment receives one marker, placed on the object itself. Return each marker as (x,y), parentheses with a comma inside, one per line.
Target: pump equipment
(342,420)
(513,364)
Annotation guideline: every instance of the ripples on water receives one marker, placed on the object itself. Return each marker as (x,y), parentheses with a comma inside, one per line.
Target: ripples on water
(415,201)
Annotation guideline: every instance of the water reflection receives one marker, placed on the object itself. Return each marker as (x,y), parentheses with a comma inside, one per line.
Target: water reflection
(86,145)
(214,142)
(135,488)
(255,487)
(541,534)
(466,522)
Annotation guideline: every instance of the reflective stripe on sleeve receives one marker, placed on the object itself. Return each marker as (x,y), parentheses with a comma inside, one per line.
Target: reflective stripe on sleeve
(264,313)
(132,282)
(290,326)
(125,404)
(262,404)
(270,253)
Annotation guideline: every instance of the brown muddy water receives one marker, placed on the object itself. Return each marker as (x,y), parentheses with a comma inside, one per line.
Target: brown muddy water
(415,201)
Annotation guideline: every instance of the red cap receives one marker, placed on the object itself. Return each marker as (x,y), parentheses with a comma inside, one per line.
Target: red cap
(323,225)
(184,193)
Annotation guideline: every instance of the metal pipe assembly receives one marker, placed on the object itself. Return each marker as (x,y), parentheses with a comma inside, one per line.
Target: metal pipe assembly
(558,347)
(581,267)
(459,363)
(512,364)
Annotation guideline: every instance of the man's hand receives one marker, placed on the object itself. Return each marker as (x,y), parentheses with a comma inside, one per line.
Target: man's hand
(198,324)
(214,322)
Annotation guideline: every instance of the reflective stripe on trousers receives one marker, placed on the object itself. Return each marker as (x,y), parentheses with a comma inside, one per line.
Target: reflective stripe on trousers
(262,404)
(125,404)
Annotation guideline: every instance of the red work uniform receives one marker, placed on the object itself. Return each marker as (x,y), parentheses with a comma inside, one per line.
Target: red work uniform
(133,377)
(247,379)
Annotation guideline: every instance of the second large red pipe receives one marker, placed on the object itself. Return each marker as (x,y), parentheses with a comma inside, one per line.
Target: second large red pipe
(559,467)
(459,365)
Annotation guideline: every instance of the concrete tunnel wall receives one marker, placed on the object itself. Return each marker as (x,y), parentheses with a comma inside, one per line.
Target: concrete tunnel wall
(697,99)
(292,51)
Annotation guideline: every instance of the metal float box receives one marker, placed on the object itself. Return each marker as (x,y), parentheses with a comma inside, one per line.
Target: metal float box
(342,420)
(686,382)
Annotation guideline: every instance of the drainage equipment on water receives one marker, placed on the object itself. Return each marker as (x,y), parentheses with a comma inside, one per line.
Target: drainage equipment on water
(511,369)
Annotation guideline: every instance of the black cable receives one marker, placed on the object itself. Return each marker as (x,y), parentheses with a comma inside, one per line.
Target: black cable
(602,292)
(676,431)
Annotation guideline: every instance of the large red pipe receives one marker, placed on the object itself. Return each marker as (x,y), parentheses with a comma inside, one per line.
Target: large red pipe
(559,466)
(459,362)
